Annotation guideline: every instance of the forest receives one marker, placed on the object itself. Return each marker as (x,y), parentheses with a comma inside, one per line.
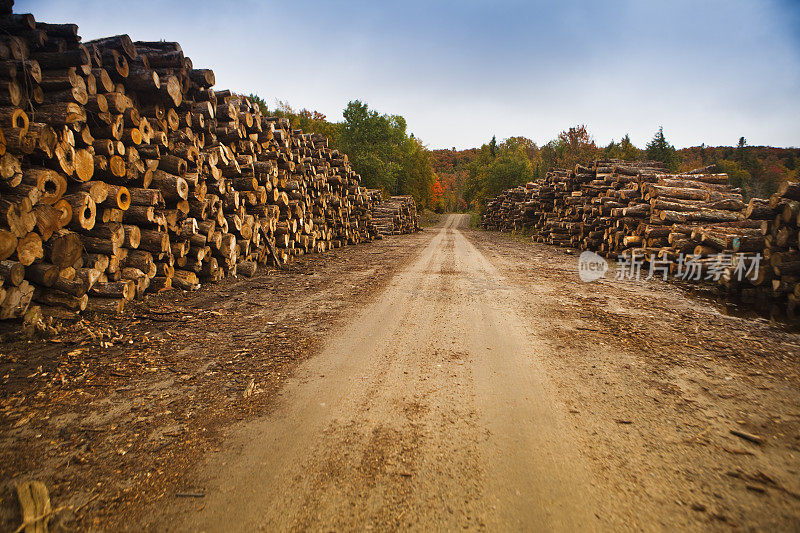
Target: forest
(390,158)
(378,145)
(469,177)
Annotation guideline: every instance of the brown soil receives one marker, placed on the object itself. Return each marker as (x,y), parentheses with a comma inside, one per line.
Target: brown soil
(459,379)
(113,413)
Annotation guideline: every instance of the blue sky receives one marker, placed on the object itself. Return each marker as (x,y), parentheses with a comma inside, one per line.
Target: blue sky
(460,72)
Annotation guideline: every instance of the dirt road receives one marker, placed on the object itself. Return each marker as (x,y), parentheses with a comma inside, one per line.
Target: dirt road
(452,379)
(428,409)
(446,403)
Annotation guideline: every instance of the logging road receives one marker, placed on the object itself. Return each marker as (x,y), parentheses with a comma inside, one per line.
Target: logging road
(478,392)
(428,408)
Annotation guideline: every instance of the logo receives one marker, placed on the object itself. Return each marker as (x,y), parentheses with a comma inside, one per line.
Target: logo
(591,266)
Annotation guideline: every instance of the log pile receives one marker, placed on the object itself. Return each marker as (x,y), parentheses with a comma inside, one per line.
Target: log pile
(122,171)
(397,216)
(693,223)
(772,231)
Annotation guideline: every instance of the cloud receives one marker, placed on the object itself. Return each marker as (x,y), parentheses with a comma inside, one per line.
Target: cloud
(462,71)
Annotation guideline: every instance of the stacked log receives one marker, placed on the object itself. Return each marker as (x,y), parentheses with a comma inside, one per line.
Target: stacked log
(771,232)
(578,207)
(693,225)
(122,171)
(397,216)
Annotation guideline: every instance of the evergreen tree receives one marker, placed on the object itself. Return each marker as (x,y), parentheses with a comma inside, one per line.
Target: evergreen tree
(660,150)
(741,155)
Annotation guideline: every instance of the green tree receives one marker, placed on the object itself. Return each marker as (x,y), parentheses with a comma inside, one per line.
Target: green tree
(660,150)
(493,146)
(496,168)
(738,176)
(628,151)
(383,153)
(612,151)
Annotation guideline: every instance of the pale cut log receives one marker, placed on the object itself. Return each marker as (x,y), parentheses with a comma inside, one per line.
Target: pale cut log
(78,56)
(64,160)
(47,220)
(160,283)
(61,113)
(14,117)
(118,103)
(110,214)
(98,245)
(84,165)
(147,197)
(186,280)
(98,190)
(103,80)
(139,214)
(246,268)
(90,276)
(154,241)
(10,170)
(45,138)
(10,93)
(172,164)
(77,94)
(59,79)
(29,248)
(98,262)
(65,212)
(103,147)
(113,232)
(123,43)
(789,189)
(704,215)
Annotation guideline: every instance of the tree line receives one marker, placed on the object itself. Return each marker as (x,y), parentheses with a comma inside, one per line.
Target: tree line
(390,158)
(378,145)
(471,177)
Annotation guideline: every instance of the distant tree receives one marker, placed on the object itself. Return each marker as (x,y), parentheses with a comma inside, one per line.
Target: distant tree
(260,102)
(496,168)
(738,176)
(525,144)
(628,151)
(575,145)
(493,146)
(660,150)
(612,151)
(383,153)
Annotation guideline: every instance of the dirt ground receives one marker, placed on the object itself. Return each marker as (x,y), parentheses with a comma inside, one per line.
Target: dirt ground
(450,379)
(113,413)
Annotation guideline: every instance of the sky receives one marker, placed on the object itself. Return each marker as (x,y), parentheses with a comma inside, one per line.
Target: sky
(708,71)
